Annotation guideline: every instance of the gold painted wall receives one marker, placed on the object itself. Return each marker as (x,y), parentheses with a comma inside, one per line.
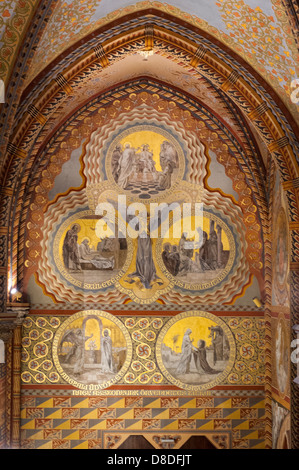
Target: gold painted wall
(75,393)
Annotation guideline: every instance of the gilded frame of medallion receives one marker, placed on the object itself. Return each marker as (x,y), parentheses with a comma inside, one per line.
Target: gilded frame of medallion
(129,351)
(230,363)
(155,129)
(214,282)
(59,263)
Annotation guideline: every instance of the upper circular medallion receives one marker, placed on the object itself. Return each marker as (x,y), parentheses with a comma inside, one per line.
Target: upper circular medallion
(145,162)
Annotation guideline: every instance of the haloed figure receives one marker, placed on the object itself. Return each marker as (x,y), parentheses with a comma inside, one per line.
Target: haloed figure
(70,249)
(125,166)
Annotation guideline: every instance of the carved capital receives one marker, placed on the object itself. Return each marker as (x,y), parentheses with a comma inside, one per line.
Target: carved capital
(14,315)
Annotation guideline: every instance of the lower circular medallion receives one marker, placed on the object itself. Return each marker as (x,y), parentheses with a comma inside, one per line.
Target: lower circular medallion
(196,351)
(92,350)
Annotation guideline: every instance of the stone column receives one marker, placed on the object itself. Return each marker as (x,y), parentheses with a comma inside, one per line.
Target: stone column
(19,311)
(6,333)
(2,405)
(11,324)
(294,369)
(16,387)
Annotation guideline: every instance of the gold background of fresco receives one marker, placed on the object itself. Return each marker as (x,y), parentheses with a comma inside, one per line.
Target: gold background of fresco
(117,332)
(246,337)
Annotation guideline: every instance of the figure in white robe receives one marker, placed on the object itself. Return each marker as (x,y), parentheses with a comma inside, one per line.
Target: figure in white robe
(87,256)
(107,358)
(168,153)
(126,166)
(146,158)
(84,250)
(186,355)
(165,176)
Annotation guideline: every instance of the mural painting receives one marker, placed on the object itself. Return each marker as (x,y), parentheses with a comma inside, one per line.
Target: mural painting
(145,161)
(280,250)
(200,258)
(281,311)
(282,357)
(112,119)
(86,255)
(157,350)
(280,416)
(195,350)
(146,351)
(92,348)
(142,163)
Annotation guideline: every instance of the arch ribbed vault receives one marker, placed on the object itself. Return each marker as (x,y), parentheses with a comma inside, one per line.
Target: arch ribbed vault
(63,103)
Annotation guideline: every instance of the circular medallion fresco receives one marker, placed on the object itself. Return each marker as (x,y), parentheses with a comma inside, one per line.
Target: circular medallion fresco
(88,255)
(195,350)
(92,349)
(145,162)
(200,259)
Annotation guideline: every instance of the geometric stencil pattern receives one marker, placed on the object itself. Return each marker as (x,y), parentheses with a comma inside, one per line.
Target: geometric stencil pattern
(77,422)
